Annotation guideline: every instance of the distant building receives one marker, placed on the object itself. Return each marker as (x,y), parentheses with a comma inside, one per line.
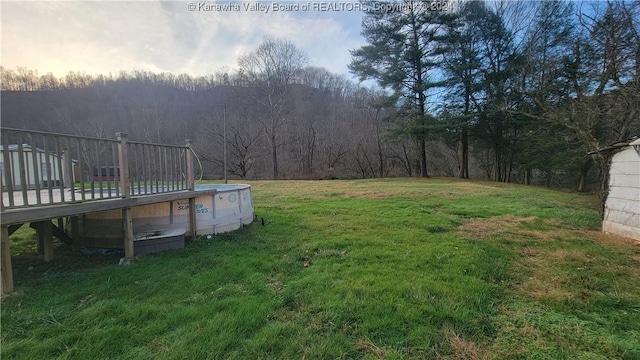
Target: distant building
(36,166)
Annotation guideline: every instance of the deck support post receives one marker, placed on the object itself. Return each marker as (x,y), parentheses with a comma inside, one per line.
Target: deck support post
(40,239)
(127,225)
(75,234)
(192,217)
(45,231)
(6,269)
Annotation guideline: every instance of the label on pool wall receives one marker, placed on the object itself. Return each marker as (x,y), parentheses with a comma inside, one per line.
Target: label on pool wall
(200,208)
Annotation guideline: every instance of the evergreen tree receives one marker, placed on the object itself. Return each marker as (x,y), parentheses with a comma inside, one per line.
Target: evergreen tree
(404,49)
(462,65)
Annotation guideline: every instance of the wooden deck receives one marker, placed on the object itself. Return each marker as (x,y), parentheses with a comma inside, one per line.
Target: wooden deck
(38,179)
(49,212)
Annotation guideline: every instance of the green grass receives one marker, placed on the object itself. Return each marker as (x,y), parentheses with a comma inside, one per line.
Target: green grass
(393,269)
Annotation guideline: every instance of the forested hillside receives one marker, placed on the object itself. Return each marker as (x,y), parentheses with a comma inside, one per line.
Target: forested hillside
(507,91)
(326,126)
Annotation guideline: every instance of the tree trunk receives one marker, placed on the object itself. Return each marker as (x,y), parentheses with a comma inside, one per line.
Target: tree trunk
(423,158)
(274,157)
(407,160)
(497,168)
(605,165)
(584,171)
(527,176)
(547,182)
(463,172)
(510,168)
(464,136)
(381,162)
(497,151)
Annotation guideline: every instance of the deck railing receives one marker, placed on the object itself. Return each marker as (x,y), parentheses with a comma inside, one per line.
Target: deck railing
(42,168)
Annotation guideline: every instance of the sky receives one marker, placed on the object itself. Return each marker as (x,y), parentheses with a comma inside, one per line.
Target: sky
(193,37)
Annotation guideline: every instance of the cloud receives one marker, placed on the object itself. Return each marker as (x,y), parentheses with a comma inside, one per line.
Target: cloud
(102,37)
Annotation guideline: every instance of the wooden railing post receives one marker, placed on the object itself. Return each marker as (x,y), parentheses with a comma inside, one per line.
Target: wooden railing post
(8,169)
(127,219)
(67,177)
(189,159)
(191,187)
(2,191)
(123,164)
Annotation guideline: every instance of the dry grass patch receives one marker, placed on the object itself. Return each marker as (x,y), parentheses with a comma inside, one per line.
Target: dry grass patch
(276,285)
(368,348)
(518,327)
(626,245)
(612,240)
(552,271)
(474,187)
(482,228)
(367,195)
(448,195)
(461,348)
(275,282)
(544,286)
(543,283)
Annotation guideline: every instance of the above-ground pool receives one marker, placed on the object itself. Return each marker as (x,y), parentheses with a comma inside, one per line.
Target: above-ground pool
(228,209)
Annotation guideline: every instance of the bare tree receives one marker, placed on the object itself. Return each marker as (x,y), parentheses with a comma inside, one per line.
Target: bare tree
(272,68)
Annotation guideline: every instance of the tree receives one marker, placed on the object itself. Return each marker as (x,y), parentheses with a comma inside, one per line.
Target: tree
(593,95)
(548,146)
(496,128)
(403,49)
(242,147)
(272,68)
(463,68)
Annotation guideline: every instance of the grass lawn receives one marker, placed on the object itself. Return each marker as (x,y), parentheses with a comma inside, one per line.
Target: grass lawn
(373,269)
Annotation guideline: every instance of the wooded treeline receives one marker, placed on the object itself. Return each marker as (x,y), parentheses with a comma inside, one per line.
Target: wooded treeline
(325,126)
(508,91)
(522,90)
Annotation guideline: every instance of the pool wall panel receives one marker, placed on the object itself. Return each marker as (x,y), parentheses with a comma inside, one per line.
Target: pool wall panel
(227,210)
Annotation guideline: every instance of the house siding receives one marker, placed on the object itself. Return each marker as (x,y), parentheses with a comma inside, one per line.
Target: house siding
(622,209)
